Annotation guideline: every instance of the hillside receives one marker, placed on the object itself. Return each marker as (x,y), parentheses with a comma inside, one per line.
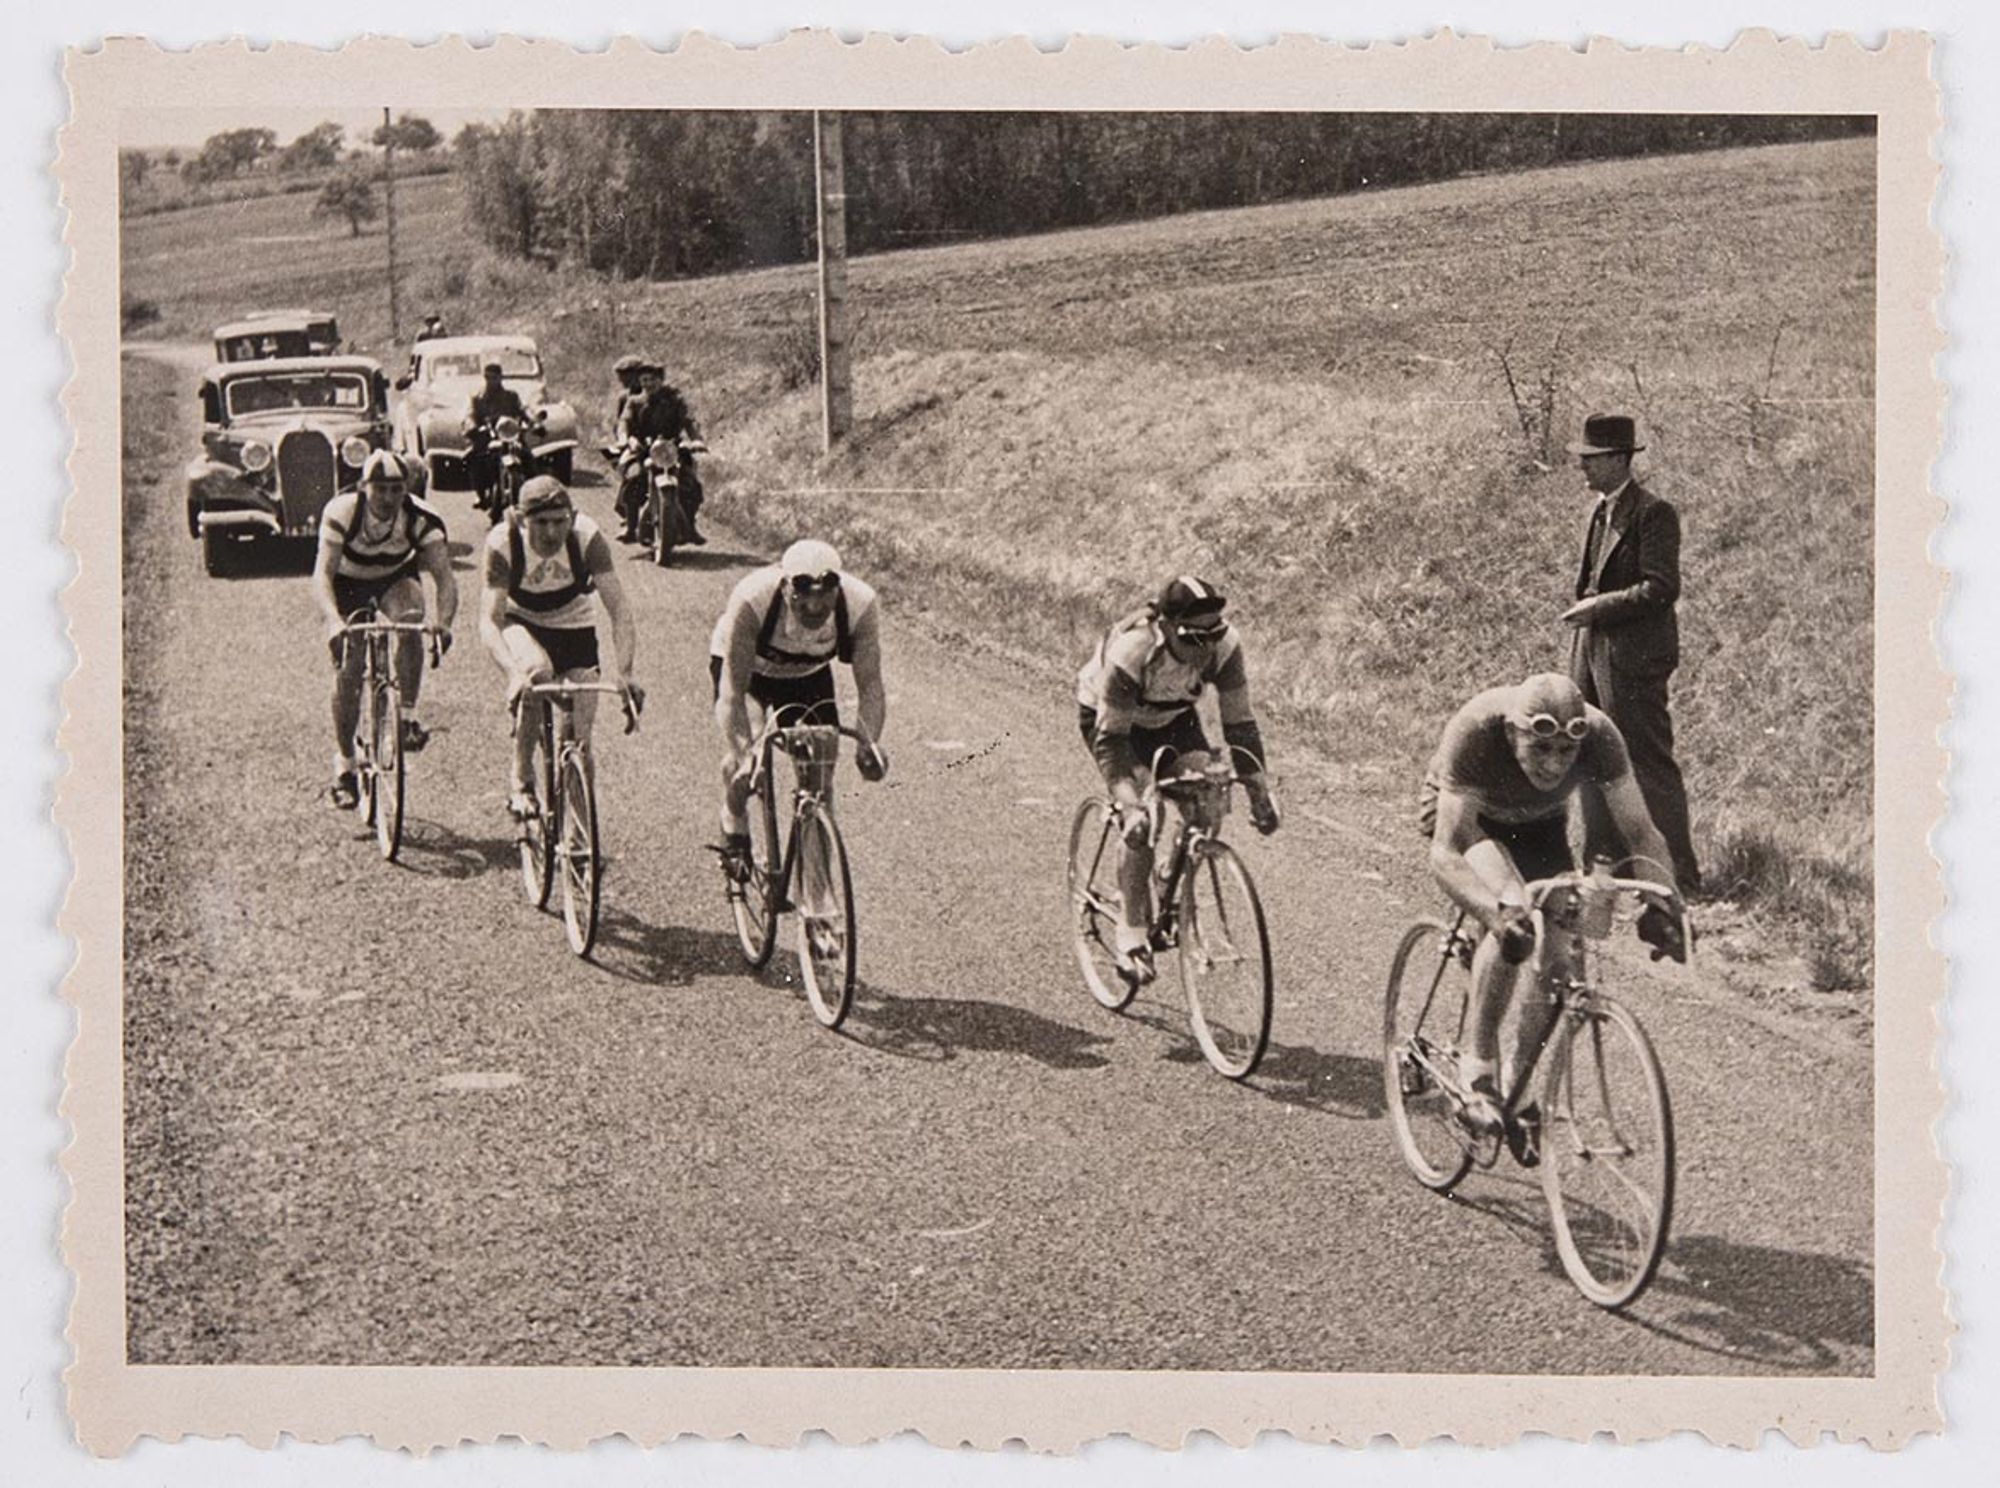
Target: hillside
(1306,402)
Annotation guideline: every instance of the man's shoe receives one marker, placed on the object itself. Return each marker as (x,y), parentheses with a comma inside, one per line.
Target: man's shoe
(1135,965)
(695,537)
(415,736)
(522,805)
(1481,1113)
(824,937)
(734,851)
(1524,1135)
(345,792)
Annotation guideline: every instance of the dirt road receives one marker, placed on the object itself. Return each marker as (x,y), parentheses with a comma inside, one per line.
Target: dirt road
(381,1115)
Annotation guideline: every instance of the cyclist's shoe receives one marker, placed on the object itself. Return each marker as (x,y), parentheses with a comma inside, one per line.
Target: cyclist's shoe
(1135,965)
(1163,937)
(823,935)
(1481,1113)
(1524,1134)
(345,792)
(734,851)
(415,736)
(522,805)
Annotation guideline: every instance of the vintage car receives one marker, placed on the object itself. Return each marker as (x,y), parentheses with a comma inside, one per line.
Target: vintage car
(279,439)
(264,334)
(437,395)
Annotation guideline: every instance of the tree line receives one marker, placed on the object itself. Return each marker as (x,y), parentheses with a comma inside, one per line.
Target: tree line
(658,194)
(251,161)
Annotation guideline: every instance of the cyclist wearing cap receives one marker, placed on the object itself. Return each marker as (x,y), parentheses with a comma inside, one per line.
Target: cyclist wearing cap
(656,410)
(1136,695)
(547,569)
(1494,805)
(784,627)
(374,542)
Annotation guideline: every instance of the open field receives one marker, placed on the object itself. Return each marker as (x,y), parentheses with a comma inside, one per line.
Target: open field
(1304,401)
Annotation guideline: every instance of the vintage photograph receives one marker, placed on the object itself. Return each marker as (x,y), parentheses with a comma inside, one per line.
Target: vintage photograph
(1045,739)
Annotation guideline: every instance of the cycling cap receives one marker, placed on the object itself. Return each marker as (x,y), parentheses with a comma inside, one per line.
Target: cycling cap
(809,559)
(1551,693)
(1186,597)
(384,466)
(543,493)
(628,364)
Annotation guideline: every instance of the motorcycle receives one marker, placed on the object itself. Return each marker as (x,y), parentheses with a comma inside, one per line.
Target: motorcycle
(671,495)
(504,459)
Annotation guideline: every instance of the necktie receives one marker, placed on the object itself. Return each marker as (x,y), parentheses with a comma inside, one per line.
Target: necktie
(1591,544)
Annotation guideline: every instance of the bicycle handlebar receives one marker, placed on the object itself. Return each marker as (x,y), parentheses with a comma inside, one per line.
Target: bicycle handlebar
(563,692)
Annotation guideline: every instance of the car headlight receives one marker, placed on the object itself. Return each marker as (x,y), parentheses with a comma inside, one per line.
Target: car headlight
(354,451)
(256,456)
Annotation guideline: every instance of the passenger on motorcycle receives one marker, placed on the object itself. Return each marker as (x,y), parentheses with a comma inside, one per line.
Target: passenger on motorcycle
(374,542)
(494,400)
(656,411)
(1137,694)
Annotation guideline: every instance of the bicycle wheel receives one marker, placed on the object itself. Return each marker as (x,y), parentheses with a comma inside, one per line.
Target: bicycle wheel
(582,863)
(1225,960)
(1423,1017)
(826,916)
(1094,902)
(1607,1149)
(538,837)
(386,771)
(754,902)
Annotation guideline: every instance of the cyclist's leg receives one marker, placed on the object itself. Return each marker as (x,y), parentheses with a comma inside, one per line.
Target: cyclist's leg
(533,663)
(735,768)
(1492,978)
(572,654)
(349,598)
(814,696)
(1541,850)
(404,601)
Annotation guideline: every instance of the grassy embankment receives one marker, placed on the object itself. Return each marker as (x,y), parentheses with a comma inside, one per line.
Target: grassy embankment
(1304,401)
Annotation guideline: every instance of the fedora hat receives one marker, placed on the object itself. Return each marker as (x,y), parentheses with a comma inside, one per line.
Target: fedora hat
(1608,434)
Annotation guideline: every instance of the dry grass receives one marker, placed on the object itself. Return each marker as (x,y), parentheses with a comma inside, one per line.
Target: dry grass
(1303,401)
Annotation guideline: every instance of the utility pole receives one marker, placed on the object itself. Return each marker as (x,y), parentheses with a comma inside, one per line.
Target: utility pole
(836,385)
(389,199)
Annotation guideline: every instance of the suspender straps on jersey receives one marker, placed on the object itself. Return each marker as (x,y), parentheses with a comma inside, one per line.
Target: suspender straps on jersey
(580,582)
(417,522)
(843,633)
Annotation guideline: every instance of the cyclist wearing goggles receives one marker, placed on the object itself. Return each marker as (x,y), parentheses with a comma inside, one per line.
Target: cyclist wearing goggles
(1494,805)
(775,646)
(1136,695)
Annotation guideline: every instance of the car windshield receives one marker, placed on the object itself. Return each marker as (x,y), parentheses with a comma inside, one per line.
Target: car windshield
(263,346)
(281,391)
(513,363)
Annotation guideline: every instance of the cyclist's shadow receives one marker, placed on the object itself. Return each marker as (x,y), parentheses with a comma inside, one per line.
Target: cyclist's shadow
(938,1029)
(436,851)
(670,955)
(1292,1074)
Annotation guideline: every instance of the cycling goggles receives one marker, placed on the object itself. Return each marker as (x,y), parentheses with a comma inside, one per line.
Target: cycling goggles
(1200,635)
(824,583)
(1547,726)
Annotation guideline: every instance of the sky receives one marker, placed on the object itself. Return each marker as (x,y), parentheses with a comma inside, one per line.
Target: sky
(158,128)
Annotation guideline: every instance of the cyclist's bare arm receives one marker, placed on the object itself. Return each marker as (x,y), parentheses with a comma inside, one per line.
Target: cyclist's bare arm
(624,634)
(732,699)
(434,558)
(1456,833)
(325,564)
(493,619)
(1635,825)
(872,695)
(1116,761)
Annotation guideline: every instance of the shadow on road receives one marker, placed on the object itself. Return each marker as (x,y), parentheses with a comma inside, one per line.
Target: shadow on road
(1341,1085)
(699,560)
(438,852)
(662,955)
(938,1029)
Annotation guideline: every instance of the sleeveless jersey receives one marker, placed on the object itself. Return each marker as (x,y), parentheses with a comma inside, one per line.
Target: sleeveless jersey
(372,551)
(785,648)
(556,591)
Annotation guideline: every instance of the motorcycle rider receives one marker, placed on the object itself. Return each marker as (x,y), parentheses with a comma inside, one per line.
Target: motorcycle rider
(494,400)
(626,370)
(433,327)
(656,411)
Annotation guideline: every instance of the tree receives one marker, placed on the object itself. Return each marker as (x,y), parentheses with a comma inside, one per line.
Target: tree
(233,152)
(133,168)
(350,195)
(317,149)
(409,132)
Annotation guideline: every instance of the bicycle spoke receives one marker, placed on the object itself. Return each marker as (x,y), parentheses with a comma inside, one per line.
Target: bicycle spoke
(1419,1069)
(1095,904)
(1228,985)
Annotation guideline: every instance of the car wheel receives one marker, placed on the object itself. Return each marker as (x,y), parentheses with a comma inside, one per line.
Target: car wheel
(216,556)
(194,520)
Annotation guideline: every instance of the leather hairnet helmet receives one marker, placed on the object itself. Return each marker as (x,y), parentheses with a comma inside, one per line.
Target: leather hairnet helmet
(1187,598)
(384,466)
(544,493)
(809,560)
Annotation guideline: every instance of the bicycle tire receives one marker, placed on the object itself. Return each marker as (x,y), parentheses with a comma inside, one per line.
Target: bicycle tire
(387,771)
(1093,901)
(1611,1253)
(663,530)
(754,902)
(1225,960)
(1422,1112)
(826,926)
(538,833)
(578,855)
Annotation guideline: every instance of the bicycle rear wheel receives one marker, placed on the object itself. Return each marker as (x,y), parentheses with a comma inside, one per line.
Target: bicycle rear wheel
(1422,1020)
(1607,1150)
(386,771)
(1094,902)
(754,902)
(581,861)
(826,916)
(538,840)
(1225,960)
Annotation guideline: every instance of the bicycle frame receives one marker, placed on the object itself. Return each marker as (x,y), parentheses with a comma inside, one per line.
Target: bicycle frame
(797,739)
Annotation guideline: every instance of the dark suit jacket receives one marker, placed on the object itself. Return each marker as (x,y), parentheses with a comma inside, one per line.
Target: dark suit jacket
(1638,575)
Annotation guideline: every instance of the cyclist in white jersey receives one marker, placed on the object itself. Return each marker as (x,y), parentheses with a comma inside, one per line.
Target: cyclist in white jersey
(374,543)
(547,570)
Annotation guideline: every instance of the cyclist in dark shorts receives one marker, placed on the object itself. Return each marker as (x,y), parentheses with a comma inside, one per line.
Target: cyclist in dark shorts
(375,542)
(1494,806)
(1136,694)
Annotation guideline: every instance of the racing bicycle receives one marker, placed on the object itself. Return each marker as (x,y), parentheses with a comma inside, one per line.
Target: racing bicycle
(1602,1129)
(560,835)
(1205,907)
(379,768)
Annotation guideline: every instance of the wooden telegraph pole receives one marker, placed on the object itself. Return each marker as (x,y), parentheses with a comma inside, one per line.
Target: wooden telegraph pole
(389,200)
(836,385)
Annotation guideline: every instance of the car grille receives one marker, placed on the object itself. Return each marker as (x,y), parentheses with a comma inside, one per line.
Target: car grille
(306,477)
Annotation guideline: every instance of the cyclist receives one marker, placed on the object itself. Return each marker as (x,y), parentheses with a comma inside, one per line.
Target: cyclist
(374,542)
(1494,805)
(784,627)
(538,617)
(494,401)
(1137,694)
(655,411)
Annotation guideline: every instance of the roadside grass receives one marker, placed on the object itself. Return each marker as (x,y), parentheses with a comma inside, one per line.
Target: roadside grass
(1306,402)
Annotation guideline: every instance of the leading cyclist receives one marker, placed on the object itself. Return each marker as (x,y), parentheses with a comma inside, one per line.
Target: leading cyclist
(1137,694)
(374,542)
(1494,805)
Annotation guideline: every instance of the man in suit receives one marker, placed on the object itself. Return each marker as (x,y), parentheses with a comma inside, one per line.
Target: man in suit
(1626,641)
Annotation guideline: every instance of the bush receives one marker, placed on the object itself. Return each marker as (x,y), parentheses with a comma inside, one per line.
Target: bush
(135,313)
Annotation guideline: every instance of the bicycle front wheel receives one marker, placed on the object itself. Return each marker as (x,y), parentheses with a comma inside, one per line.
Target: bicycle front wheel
(1607,1152)
(387,771)
(538,833)
(1094,903)
(1225,960)
(826,916)
(754,901)
(1423,1019)
(579,857)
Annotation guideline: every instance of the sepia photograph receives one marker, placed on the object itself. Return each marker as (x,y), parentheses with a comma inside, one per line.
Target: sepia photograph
(1087,740)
